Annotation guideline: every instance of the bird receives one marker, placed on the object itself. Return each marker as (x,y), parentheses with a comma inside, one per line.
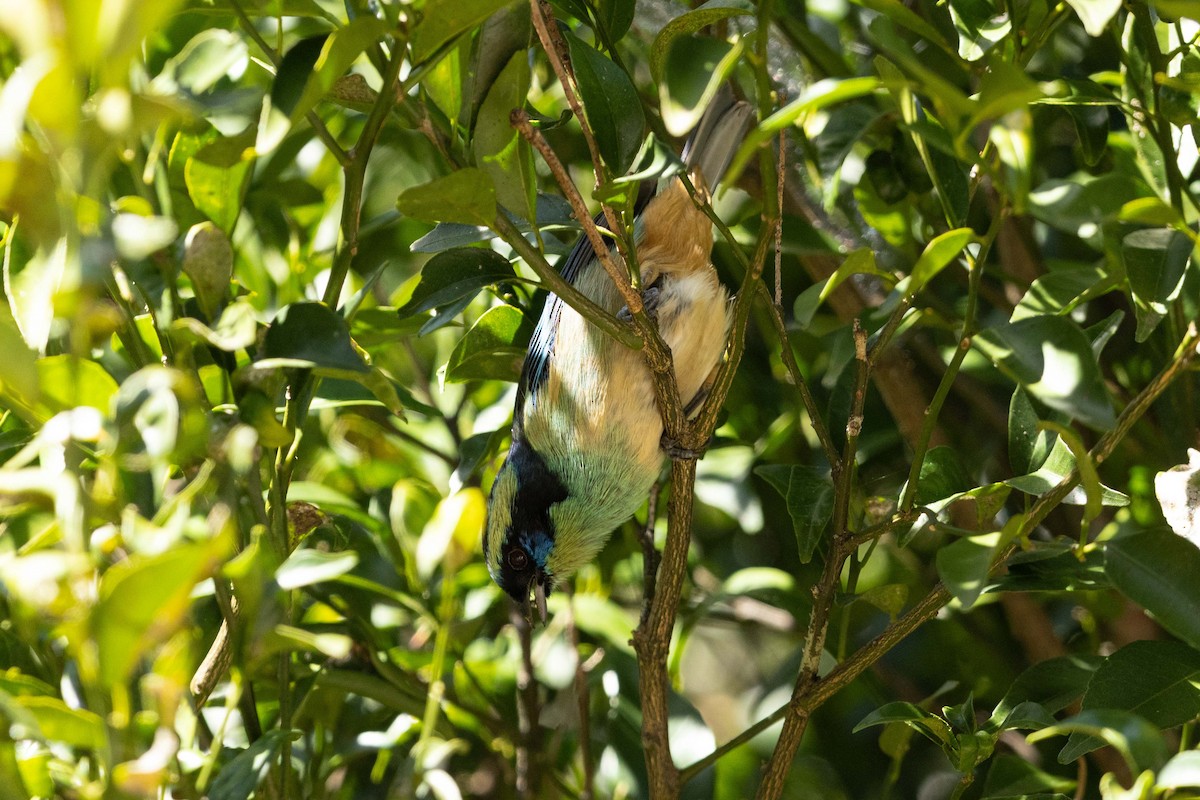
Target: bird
(586,432)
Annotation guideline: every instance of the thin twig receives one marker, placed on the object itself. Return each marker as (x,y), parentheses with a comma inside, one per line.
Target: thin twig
(788,356)
(528,745)
(556,51)
(583,699)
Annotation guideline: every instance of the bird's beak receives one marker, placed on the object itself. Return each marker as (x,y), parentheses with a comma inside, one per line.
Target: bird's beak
(539,595)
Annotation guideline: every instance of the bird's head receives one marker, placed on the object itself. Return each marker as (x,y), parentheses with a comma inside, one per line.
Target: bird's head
(519,538)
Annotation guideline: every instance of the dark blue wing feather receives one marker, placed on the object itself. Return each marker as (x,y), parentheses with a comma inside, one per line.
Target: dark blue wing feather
(536,368)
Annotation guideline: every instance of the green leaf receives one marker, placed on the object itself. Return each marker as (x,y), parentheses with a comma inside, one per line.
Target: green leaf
(306,566)
(137,608)
(218,175)
(238,779)
(927,723)
(58,722)
(68,382)
(1053,360)
(456,274)
(696,68)
(1057,466)
(1062,291)
(615,16)
(1157,569)
(1095,14)
(937,255)
(312,335)
(1028,445)
(443,20)
(493,349)
(1158,681)
(1156,261)
(690,22)
(817,97)
(341,49)
(612,105)
(1138,742)
(1081,209)
(1182,771)
(963,565)
(499,150)
(1053,684)
(1014,777)
(466,195)
(942,475)
(808,492)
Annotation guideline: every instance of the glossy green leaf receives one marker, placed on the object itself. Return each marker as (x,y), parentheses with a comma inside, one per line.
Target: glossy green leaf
(1053,360)
(1081,208)
(963,565)
(465,195)
(67,382)
(306,566)
(808,492)
(927,723)
(1156,261)
(817,97)
(312,335)
(1013,777)
(455,274)
(691,22)
(499,150)
(1138,742)
(937,255)
(942,475)
(1182,771)
(1159,681)
(443,20)
(612,105)
(58,722)
(1028,445)
(696,68)
(1053,684)
(218,176)
(615,16)
(1095,14)
(493,349)
(1157,569)
(338,52)
(137,609)
(238,779)
(1057,466)
(1062,291)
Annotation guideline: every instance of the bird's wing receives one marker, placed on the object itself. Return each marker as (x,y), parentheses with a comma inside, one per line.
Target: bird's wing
(536,368)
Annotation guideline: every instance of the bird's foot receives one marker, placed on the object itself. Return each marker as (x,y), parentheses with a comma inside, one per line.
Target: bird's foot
(676,450)
(651,297)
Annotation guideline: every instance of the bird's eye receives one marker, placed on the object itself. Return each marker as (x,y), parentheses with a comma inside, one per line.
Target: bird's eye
(518,559)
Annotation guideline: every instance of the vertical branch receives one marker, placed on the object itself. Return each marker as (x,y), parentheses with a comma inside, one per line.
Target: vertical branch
(796,720)
(583,700)
(652,639)
(528,744)
(650,556)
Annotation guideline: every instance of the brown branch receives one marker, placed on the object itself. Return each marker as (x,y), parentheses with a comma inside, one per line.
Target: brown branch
(556,51)
(796,721)
(529,732)
(650,555)
(652,639)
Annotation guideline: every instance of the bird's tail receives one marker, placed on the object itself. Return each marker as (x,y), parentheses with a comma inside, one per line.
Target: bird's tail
(717,136)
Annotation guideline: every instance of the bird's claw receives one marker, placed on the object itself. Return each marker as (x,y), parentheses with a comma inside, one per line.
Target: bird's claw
(675,449)
(650,300)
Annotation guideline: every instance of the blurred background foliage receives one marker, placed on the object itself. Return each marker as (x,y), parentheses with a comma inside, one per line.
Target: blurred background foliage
(259,341)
